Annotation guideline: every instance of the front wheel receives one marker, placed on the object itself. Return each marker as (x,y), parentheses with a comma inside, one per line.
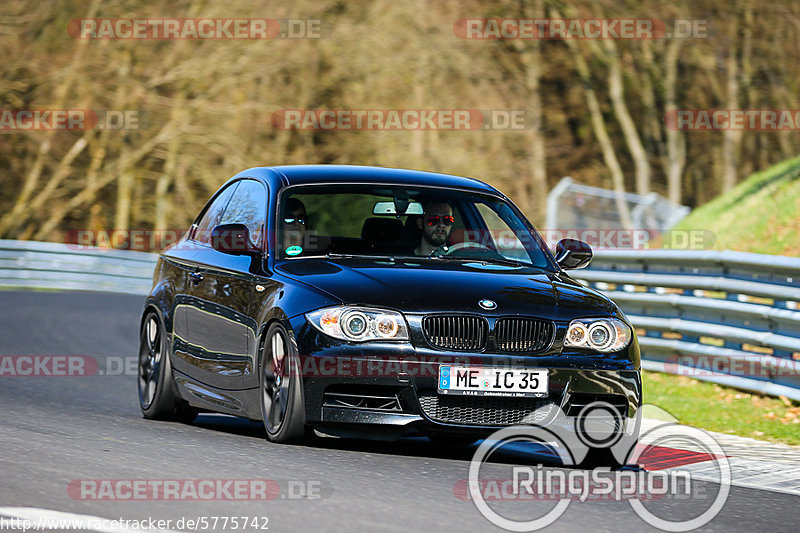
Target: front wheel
(158,398)
(282,408)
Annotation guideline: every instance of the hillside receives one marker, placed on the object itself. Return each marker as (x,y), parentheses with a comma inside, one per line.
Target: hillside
(761,214)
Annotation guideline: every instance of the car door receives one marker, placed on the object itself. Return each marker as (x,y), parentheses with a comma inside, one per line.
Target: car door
(199,237)
(218,293)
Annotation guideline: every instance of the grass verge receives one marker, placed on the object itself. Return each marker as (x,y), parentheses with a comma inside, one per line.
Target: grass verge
(717,408)
(758,215)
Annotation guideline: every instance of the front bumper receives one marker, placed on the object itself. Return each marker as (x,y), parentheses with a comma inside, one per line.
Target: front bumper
(390,390)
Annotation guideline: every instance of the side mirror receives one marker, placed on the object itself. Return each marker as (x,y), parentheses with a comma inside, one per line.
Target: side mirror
(233,239)
(572,254)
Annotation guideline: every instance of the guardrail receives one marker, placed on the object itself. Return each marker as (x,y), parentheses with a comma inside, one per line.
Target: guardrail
(728,317)
(47,265)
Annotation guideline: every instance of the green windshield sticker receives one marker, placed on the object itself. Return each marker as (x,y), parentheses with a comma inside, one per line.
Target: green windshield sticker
(294,250)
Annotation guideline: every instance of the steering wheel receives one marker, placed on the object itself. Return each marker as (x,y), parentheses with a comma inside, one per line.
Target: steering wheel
(445,250)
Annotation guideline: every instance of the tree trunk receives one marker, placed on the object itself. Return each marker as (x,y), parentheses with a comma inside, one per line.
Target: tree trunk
(676,142)
(617,95)
(731,138)
(537,150)
(600,131)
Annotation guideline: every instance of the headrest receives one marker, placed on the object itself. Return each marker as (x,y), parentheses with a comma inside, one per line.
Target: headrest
(385,230)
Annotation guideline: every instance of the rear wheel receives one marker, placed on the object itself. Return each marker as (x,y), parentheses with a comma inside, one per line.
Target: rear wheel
(158,398)
(282,407)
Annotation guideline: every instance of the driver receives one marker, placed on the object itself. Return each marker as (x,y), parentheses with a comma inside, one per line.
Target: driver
(435,225)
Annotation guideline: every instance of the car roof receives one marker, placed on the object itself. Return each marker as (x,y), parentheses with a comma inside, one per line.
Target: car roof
(305,174)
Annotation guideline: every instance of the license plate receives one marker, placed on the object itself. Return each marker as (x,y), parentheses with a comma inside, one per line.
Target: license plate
(489,381)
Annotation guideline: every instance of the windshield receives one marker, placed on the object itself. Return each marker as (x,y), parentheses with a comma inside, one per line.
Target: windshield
(362,220)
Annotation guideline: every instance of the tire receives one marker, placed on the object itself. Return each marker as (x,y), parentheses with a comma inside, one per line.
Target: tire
(282,408)
(158,397)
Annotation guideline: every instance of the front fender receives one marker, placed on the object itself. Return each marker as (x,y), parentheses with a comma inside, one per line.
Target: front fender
(284,300)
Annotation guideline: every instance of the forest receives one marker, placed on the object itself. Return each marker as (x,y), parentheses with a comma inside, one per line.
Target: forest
(174,116)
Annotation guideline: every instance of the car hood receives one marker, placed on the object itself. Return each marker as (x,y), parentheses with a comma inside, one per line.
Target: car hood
(444,286)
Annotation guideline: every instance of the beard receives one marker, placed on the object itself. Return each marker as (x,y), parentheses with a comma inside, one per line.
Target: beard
(435,238)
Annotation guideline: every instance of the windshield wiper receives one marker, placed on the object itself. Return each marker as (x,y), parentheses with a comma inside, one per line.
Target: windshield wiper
(506,261)
(493,260)
(395,258)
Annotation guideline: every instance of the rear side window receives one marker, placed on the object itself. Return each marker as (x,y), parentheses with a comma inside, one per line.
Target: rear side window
(213,214)
(248,206)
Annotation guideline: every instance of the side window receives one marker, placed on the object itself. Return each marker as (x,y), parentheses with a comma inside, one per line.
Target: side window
(213,215)
(248,206)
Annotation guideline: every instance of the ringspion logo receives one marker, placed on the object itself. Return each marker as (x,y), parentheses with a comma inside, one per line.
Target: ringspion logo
(597,426)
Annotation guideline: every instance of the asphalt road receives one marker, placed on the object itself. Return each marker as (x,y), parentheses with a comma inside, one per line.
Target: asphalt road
(56,430)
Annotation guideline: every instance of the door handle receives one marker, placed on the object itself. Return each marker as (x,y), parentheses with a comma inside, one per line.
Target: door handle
(197,277)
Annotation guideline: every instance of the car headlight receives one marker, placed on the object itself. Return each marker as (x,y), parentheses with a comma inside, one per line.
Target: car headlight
(359,323)
(599,334)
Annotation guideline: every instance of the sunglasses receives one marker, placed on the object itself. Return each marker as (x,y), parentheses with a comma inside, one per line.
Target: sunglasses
(294,221)
(447,220)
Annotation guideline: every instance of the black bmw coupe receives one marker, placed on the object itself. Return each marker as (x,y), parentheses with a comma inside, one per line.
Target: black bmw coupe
(363,301)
